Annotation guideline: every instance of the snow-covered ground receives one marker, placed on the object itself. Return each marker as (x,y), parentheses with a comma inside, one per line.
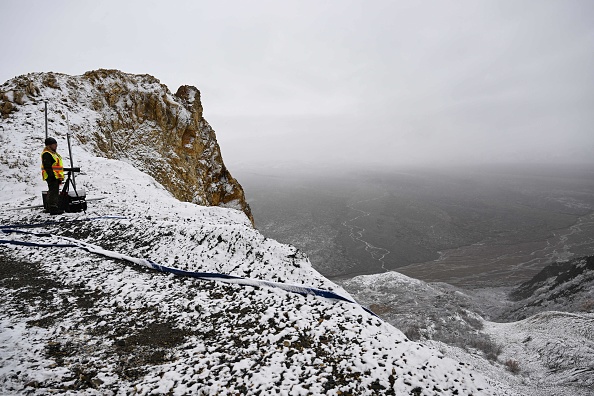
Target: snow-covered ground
(74,322)
(550,353)
(554,351)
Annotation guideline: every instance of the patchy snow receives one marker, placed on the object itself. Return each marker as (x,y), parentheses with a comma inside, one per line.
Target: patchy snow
(77,323)
(555,350)
(548,354)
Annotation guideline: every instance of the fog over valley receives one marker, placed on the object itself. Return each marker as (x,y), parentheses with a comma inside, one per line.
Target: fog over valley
(469,226)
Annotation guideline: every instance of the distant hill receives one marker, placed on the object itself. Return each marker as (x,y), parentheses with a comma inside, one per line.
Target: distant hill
(563,286)
(550,347)
(549,334)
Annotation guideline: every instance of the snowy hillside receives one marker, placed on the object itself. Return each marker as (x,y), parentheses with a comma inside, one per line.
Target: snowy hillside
(77,322)
(564,286)
(554,345)
(554,350)
(549,354)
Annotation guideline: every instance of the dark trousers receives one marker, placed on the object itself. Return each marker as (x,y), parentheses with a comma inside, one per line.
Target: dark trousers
(53,192)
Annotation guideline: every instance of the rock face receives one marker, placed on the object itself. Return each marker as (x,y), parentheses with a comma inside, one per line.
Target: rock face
(137,119)
(562,286)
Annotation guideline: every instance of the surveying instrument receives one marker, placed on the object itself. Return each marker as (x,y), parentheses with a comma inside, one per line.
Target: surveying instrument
(72,200)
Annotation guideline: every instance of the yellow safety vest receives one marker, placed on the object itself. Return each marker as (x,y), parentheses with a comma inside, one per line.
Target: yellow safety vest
(57,166)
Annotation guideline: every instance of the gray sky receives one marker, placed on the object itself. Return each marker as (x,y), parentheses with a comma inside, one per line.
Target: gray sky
(384,82)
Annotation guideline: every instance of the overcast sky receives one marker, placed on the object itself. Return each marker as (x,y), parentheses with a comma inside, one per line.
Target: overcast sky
(383,82)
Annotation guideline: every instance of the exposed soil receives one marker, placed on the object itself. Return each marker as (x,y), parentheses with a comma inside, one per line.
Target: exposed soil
(29,291)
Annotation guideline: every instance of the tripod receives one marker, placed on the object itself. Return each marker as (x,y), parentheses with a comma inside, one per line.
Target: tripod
(72,202)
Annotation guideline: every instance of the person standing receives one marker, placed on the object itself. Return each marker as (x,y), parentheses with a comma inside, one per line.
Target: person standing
(52,171)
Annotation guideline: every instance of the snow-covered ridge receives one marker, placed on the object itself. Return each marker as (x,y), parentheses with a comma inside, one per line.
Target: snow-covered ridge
(551,352)
(564,286)
(554,344)
(77,323)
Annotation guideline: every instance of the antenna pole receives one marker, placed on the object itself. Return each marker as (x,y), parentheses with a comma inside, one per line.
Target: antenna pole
(70,151)
(45,119)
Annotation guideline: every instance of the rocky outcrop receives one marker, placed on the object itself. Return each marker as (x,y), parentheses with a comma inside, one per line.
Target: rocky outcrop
(562,286)
(137,119)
